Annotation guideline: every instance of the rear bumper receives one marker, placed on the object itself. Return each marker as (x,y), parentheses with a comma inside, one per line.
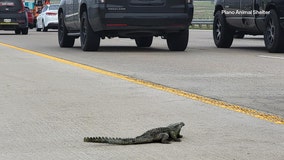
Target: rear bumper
(142,20)
(52,25)
(51,22)
(140,24)
(12,26)
(13,21)
(137,21)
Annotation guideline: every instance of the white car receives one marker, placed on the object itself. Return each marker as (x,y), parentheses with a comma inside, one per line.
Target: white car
(48,19)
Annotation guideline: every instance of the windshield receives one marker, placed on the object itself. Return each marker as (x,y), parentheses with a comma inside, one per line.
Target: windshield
(10,5)
(53,7)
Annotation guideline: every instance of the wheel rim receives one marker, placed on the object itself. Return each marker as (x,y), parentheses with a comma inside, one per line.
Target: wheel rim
(218,29)
(270,32)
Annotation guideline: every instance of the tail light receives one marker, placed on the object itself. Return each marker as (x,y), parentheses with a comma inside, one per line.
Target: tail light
(22,9)
(101,1)
(189,1)
(21,21)
(51,14)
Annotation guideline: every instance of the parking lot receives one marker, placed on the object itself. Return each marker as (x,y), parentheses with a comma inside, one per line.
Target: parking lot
(231,100)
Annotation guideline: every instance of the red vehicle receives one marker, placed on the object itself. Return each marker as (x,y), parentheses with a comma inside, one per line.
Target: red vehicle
(30,17)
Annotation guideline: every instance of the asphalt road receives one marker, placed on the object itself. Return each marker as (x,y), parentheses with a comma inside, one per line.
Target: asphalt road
(47,106)
(245,74)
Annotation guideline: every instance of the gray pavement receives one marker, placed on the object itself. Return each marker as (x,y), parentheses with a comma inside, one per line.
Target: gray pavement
(48,107)
(245,74)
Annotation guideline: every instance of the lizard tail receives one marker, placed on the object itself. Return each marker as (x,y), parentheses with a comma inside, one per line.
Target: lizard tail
(119,141)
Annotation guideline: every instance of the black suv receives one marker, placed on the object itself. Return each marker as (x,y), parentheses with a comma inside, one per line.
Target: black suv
(13,16)
(140,20)
(254,17)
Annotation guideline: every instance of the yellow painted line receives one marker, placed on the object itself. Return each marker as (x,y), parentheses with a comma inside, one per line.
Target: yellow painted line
(218,103)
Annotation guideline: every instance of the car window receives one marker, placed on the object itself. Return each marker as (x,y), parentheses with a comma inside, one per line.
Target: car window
(53,7)
(10,5)
(44,9)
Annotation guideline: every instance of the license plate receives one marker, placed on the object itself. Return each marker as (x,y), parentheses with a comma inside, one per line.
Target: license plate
(7,20)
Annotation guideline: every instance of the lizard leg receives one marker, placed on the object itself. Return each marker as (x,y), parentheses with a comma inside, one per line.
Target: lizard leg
(164,137)
(174,136)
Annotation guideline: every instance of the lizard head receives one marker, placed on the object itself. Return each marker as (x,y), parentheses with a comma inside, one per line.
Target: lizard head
(176,126)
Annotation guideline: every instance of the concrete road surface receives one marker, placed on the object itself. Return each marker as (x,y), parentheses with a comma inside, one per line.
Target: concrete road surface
(245,74)
(47,107)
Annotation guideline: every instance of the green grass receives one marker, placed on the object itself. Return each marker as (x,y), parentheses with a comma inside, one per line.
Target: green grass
(203,27)
(203,10)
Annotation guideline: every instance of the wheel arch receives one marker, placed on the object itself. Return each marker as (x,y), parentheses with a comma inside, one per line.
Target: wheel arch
(271,6)
(93,15)
(83,8)
(42,22)
(218,8)
(60,10)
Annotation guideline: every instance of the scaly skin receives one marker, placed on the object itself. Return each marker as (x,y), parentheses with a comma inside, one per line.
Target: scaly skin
(162,134)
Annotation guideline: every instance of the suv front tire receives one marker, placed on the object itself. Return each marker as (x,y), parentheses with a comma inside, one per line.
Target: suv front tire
(222,33)
(273,34)
(63,39)
(90,40)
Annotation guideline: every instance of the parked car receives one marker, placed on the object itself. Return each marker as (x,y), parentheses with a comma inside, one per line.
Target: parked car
(254,17)
(48,18)
(13,16)
(141,20)
(30,17)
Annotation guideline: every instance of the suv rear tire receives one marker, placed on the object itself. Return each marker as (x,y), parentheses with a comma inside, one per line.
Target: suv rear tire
(177,41)
(222,33)
(90,40)
(144,41)
(25,31)
(17,31)
(63,39)
(239,35)
(273,34)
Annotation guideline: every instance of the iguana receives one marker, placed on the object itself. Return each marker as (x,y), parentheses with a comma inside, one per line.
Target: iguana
(162,134)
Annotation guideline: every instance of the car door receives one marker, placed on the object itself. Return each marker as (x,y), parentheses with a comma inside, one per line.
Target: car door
(40,17)
(43,15)
(69,14)
(76,20)
(248,14)
(231,10)
(259,18)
